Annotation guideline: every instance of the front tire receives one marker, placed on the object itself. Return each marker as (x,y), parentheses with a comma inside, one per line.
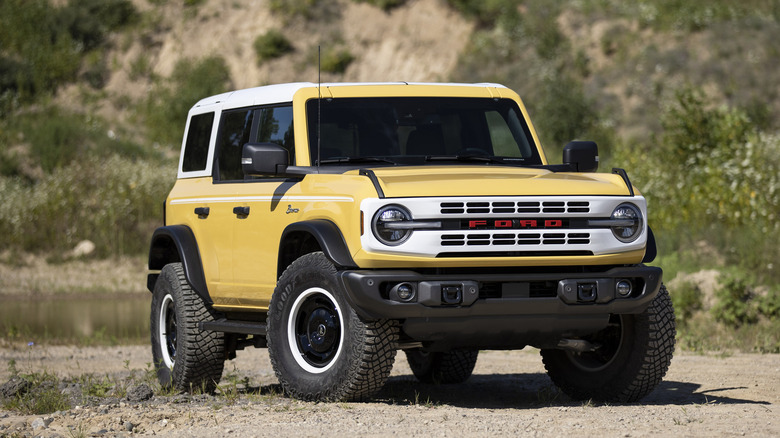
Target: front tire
(320,348)
(186,358)
(448,367)
(635,354)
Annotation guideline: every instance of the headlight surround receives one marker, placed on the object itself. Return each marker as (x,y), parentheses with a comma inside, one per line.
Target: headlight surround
(630,224)
(385,225)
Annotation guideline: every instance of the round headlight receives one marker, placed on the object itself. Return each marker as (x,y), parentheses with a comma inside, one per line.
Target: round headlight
(629,225)
(387,225)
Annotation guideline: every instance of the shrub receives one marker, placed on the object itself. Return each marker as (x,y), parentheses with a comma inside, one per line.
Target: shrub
(294,8)
(488,13)
(270,45)
(336,60)
(686,298)
(733,307)
(56,137)
(385,5)
(43,395)
(769,305)
(47,42)
(114,202)
(711,167)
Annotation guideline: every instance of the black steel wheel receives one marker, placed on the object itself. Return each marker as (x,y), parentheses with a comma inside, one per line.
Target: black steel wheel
(185,357)
(320,348)
(633,356)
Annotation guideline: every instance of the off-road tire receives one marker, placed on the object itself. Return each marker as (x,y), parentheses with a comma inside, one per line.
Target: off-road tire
(186,358)
(634,357)
(442,367)
(320,348)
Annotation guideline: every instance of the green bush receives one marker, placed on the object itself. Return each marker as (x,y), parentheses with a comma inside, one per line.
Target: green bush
(114,202)
(686,299)
(712,168)
(335,60)
(385,5)
(769,305)
(270,45)
(42,397)
(56,137)
(165,112)
(734,306)
(47,42)
(295,8)
(488,13)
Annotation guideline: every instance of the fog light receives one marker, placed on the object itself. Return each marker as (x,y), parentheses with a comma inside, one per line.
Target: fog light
(623,288)
(405,292)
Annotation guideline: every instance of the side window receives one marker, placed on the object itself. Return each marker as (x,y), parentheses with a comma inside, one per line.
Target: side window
(196,148)
(275,125)
(233,135)
(504,143)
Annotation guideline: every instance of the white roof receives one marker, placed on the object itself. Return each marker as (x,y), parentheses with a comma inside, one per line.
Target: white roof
(280,93)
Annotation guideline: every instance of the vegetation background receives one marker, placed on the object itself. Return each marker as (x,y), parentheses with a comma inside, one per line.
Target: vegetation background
(684,95)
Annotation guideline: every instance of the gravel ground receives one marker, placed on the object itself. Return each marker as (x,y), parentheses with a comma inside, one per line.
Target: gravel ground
(508,395)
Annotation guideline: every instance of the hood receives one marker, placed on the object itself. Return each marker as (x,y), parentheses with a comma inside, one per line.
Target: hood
(415,181)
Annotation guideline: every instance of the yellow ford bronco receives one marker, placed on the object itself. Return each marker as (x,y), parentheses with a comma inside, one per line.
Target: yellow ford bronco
(335,224)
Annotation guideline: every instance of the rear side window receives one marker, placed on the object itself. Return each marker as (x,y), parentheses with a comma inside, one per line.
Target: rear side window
(196,150)
(233,135)
(276,126)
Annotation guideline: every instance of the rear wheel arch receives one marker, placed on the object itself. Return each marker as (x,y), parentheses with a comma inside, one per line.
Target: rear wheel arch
(176,243)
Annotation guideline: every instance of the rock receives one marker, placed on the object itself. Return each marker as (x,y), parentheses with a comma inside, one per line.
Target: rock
(14,387)
(41,423)
(139,393)
(83,248)
(129,426)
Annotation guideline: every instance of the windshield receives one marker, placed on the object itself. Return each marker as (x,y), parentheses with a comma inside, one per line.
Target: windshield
(416,130)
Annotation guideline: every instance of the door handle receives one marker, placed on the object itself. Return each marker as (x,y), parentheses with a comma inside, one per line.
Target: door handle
(202,212)
(241,212)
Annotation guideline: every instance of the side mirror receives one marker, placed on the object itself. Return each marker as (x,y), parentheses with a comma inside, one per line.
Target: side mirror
(581,156)
(264,159)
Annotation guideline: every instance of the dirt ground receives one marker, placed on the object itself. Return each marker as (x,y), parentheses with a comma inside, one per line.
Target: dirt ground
(508,395)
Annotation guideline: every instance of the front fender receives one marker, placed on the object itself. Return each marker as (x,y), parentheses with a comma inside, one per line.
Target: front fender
(329,239)
(176,243)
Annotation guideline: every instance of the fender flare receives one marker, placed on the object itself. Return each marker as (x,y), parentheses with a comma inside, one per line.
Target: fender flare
(650,250)
(176,243)
(329,237)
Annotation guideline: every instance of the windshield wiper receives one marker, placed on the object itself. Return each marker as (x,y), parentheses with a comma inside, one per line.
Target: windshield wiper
(480,158)
(357,160)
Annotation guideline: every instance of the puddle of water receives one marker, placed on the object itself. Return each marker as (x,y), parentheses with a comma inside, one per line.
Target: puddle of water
(102,320)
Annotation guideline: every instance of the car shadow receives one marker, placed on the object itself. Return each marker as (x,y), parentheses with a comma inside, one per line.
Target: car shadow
(533,390)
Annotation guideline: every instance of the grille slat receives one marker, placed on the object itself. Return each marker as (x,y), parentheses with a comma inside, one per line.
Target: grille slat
(507,207)
(504,239)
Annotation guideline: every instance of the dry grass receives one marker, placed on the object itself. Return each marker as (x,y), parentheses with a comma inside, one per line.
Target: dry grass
(34,277)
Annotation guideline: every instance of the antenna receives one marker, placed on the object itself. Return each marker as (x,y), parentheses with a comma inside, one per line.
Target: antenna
(319,103)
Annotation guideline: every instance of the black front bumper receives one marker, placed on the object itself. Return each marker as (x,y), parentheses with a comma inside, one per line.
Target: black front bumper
(500,310)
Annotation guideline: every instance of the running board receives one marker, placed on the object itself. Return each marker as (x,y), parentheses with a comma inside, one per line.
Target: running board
(233,326)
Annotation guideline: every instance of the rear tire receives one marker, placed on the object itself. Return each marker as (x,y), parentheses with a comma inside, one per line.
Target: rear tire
(186,358)
(320,348)
(635,354)
(448,367)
